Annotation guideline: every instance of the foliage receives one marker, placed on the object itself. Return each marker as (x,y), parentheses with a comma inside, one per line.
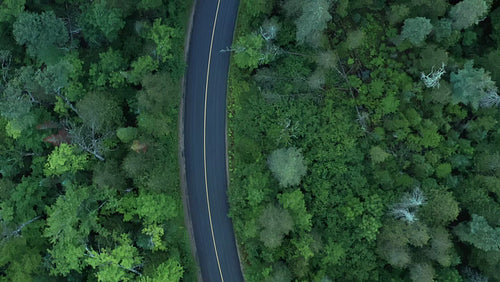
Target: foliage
(479,233)
(312,21)
(467,13)
(41,33)
(375,113)
(9,10)
(471,85)
(287,165)
(249,51)
(276,223)
(416,30)
(115,264)
(65,159)
(162,35)
(80,85)
(101,22)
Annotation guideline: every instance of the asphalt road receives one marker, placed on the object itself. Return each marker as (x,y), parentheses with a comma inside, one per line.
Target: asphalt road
(204,139)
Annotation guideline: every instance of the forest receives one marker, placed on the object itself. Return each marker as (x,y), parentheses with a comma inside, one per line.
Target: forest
(89,102)
(364,142)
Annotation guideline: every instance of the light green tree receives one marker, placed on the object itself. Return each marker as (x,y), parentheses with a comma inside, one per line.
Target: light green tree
(421,272)
(152,208)
(471,85)
(479,233)
(110,70)
(287,165)
(416,30)
(312,21)
(65,159)
(294,202)
(141,67)
(118,264)
(169,271)
(440,249)
(276,222)
(378,155)
(126,134)
(249,51)
(69,221)
(468,13)
(163,35)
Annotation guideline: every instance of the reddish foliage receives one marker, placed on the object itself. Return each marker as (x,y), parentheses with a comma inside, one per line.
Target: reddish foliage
(139,147)
(59,138)
(47,125)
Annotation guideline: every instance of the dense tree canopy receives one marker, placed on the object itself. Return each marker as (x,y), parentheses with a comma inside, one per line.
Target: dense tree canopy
(394,106)
(89,187)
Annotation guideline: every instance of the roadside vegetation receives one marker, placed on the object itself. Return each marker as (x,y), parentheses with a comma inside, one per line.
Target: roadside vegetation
(364,140)
(89,185)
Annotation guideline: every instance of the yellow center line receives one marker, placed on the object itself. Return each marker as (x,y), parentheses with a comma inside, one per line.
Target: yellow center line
(205,138)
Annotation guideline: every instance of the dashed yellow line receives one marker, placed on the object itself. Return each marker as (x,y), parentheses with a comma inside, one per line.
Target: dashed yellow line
(205,139)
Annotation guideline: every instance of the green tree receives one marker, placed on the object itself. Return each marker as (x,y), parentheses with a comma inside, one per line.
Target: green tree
(100,112)
(152,208)
(69,222)
(256,8)
(249,51)
(287,165)
(422,272)
(441,208)
(171,270)
(397,13)
(416,30)
(312,21)
(42,34)
(441,246)
(276,222)
(468,13)
(65,159)
(471,86)
(11,9)
(378,155)
(126,134)
(142,67)
(117,264)
(479,233)
(163,36)
(294,202)
(110,70)
(150,4)
(392,244)
(495,24)
(99,21)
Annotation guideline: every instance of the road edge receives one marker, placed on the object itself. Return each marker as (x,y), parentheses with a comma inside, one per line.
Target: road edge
(228,181)
(182,161)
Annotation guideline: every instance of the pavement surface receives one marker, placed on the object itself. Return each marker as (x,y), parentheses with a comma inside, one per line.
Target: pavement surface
(204,139)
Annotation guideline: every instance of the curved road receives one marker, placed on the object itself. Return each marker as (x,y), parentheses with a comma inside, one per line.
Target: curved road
(204,139)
